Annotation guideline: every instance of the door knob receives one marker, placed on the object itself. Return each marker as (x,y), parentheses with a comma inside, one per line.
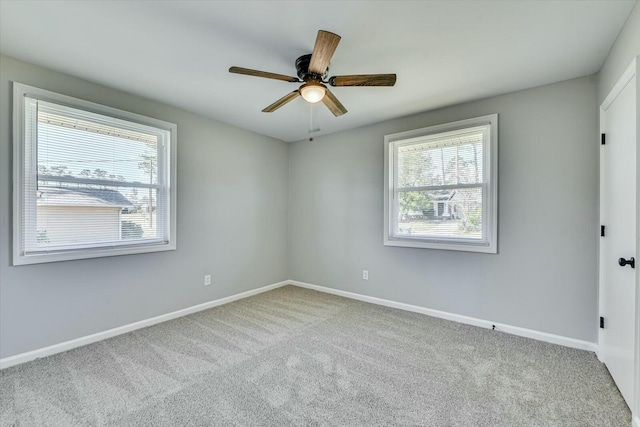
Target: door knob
(631,261)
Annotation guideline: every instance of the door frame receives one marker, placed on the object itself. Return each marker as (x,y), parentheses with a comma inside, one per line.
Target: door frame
(628,75)
(636,390)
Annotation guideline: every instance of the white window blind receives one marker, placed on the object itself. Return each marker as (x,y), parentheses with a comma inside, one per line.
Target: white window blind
(441,188)
(92,184)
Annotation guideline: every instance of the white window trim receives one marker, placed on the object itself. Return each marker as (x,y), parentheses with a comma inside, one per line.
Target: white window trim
(490,213)
(19,258)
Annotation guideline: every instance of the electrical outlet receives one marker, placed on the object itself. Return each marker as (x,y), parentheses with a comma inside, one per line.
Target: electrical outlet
(207,280)
(365,274)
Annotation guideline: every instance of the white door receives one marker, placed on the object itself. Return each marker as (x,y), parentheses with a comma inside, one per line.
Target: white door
(618,246)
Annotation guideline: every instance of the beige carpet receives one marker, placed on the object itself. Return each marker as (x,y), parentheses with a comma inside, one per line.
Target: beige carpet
(298,357)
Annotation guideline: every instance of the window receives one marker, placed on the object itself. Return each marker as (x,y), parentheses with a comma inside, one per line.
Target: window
(89,180)
(441,186)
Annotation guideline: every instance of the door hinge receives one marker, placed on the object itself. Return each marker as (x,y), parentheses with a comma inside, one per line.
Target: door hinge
(601,322)
(602,231)
(603,139)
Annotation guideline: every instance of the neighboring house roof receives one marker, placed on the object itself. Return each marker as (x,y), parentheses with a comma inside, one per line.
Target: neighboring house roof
(86,197)
(444,195)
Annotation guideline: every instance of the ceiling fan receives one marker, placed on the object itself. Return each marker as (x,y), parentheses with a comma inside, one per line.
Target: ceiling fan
(312,69)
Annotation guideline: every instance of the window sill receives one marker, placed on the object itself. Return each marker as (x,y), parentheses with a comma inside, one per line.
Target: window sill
(47,257)
(442,245)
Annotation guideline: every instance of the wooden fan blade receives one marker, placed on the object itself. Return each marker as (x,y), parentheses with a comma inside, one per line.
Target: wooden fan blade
(364,80)
(266,75)
(326,44)
(280,102)
(333,104)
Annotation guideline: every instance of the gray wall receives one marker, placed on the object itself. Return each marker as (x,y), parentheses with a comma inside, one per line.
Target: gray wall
(232,223)
(544,277)
(625,48)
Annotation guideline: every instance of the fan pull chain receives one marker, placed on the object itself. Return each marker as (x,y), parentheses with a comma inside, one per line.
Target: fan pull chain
(311,128)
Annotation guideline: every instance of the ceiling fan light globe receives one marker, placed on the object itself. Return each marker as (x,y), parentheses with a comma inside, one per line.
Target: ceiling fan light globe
(313,93)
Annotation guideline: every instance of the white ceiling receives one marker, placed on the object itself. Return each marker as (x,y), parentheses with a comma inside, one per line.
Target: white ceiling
(444,52)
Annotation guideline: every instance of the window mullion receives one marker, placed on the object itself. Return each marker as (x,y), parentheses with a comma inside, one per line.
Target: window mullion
(101,182)
(440,187)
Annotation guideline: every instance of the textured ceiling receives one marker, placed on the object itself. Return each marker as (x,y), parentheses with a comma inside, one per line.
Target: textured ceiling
(444,52)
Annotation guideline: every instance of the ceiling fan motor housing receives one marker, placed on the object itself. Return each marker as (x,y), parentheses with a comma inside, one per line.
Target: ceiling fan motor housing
(302,67)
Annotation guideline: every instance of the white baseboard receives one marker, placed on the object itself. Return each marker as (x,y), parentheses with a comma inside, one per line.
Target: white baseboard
(89,339)
(514,330)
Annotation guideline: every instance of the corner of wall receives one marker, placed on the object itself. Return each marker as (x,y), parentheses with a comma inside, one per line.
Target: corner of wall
(624,49)
(288,262)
